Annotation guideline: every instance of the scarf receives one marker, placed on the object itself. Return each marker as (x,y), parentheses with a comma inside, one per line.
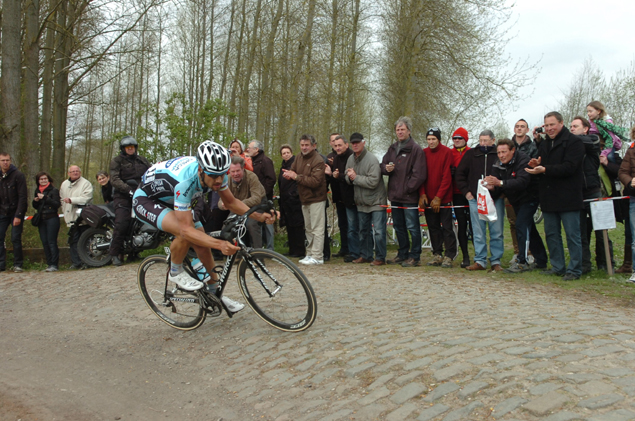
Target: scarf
(42,188)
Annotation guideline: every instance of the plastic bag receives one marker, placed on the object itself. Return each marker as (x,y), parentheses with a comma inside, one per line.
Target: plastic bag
(485,204)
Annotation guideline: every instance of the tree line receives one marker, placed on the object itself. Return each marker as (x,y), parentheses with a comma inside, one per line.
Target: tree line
(79,74)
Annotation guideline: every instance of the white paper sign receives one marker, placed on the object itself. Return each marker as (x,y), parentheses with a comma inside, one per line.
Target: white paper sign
(603,215)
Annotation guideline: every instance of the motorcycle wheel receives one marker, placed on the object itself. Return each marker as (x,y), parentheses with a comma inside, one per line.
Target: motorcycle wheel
(87,247)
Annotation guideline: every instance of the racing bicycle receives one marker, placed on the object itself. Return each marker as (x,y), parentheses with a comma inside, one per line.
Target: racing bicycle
(272,285)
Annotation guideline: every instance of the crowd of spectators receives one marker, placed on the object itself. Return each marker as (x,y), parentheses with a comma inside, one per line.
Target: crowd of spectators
(559,170)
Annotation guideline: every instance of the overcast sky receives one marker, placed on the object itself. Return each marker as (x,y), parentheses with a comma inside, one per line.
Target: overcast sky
(560,35)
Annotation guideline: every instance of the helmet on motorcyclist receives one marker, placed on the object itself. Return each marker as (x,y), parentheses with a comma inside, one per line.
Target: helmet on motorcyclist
(213,158)
(128,141)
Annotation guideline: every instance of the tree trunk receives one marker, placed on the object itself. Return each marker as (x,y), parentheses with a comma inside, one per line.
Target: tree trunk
(47,93)
(10,81)
(264,111)
(31,79)
(243,116)
(349,125)
(299,67)
(60,91)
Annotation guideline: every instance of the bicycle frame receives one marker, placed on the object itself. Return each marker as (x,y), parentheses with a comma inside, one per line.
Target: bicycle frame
(223,276)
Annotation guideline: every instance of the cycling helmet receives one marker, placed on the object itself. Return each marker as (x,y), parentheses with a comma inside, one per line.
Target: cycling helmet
(213,158)
(128,141)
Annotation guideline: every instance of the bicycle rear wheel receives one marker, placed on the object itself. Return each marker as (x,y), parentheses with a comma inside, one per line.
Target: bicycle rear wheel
(277,291)
(175,307)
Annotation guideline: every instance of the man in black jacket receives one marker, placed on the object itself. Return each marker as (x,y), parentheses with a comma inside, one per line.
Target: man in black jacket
(346,193)
(13,204)
(126,170)
(510,178)
(476,164)
(336,196)
(263,168)
(592,189)
(559,165)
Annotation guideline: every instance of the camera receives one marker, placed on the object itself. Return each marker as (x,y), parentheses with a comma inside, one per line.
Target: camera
(540,130)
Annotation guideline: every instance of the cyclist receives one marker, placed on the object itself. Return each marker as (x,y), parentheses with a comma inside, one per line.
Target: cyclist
(164,200)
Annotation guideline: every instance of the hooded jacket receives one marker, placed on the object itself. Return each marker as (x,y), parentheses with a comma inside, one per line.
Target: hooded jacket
(13,194)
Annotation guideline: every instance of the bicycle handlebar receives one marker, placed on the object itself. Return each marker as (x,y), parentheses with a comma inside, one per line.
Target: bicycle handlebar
(229,232)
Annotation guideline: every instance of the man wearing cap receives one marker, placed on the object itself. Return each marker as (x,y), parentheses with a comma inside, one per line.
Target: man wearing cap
(364,174)
(461,205)
(435,196)
(350,230)
(405,166)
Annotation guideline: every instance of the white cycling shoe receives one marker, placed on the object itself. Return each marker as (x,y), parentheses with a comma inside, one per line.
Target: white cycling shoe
(233,306)
(186,282)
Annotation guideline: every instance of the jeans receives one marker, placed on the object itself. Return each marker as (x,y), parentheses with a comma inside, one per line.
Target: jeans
(353,234)
(528,236)
(16,240)
(404,221)
(479,229)
(343,225)
(441,229)
(571,223)
(268,233)
(49,228)
(378,221)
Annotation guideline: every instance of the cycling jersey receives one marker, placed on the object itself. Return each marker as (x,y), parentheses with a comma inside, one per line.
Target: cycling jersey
(175,182)
(168,186)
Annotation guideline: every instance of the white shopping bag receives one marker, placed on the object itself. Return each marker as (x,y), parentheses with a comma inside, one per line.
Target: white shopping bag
(485,204)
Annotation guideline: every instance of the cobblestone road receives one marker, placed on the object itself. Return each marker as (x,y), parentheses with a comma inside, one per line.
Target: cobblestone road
(389,343)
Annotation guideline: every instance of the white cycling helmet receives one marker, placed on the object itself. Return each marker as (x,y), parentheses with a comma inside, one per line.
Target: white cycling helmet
(213,158)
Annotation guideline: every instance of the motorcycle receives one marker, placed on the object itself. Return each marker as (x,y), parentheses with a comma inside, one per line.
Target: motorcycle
(94,243)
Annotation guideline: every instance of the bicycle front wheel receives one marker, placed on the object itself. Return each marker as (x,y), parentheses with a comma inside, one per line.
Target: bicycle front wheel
(177,308)
(277,291)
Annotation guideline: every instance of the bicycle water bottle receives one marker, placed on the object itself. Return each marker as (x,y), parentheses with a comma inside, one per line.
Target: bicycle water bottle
(200,270)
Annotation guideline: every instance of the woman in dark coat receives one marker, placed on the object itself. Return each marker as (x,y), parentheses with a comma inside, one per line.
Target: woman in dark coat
(47,203)
(290,206)
(107,190)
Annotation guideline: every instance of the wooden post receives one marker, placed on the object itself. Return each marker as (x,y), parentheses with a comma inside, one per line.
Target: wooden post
(607,252)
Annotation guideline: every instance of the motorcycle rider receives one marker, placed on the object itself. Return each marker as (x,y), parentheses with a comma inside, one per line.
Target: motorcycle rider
(164,200)
(126,170)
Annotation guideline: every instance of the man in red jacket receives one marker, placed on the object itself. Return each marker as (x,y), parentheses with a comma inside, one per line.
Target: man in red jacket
(438,186)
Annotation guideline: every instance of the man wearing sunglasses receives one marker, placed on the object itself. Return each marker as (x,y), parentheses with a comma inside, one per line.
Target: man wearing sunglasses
(164,201)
